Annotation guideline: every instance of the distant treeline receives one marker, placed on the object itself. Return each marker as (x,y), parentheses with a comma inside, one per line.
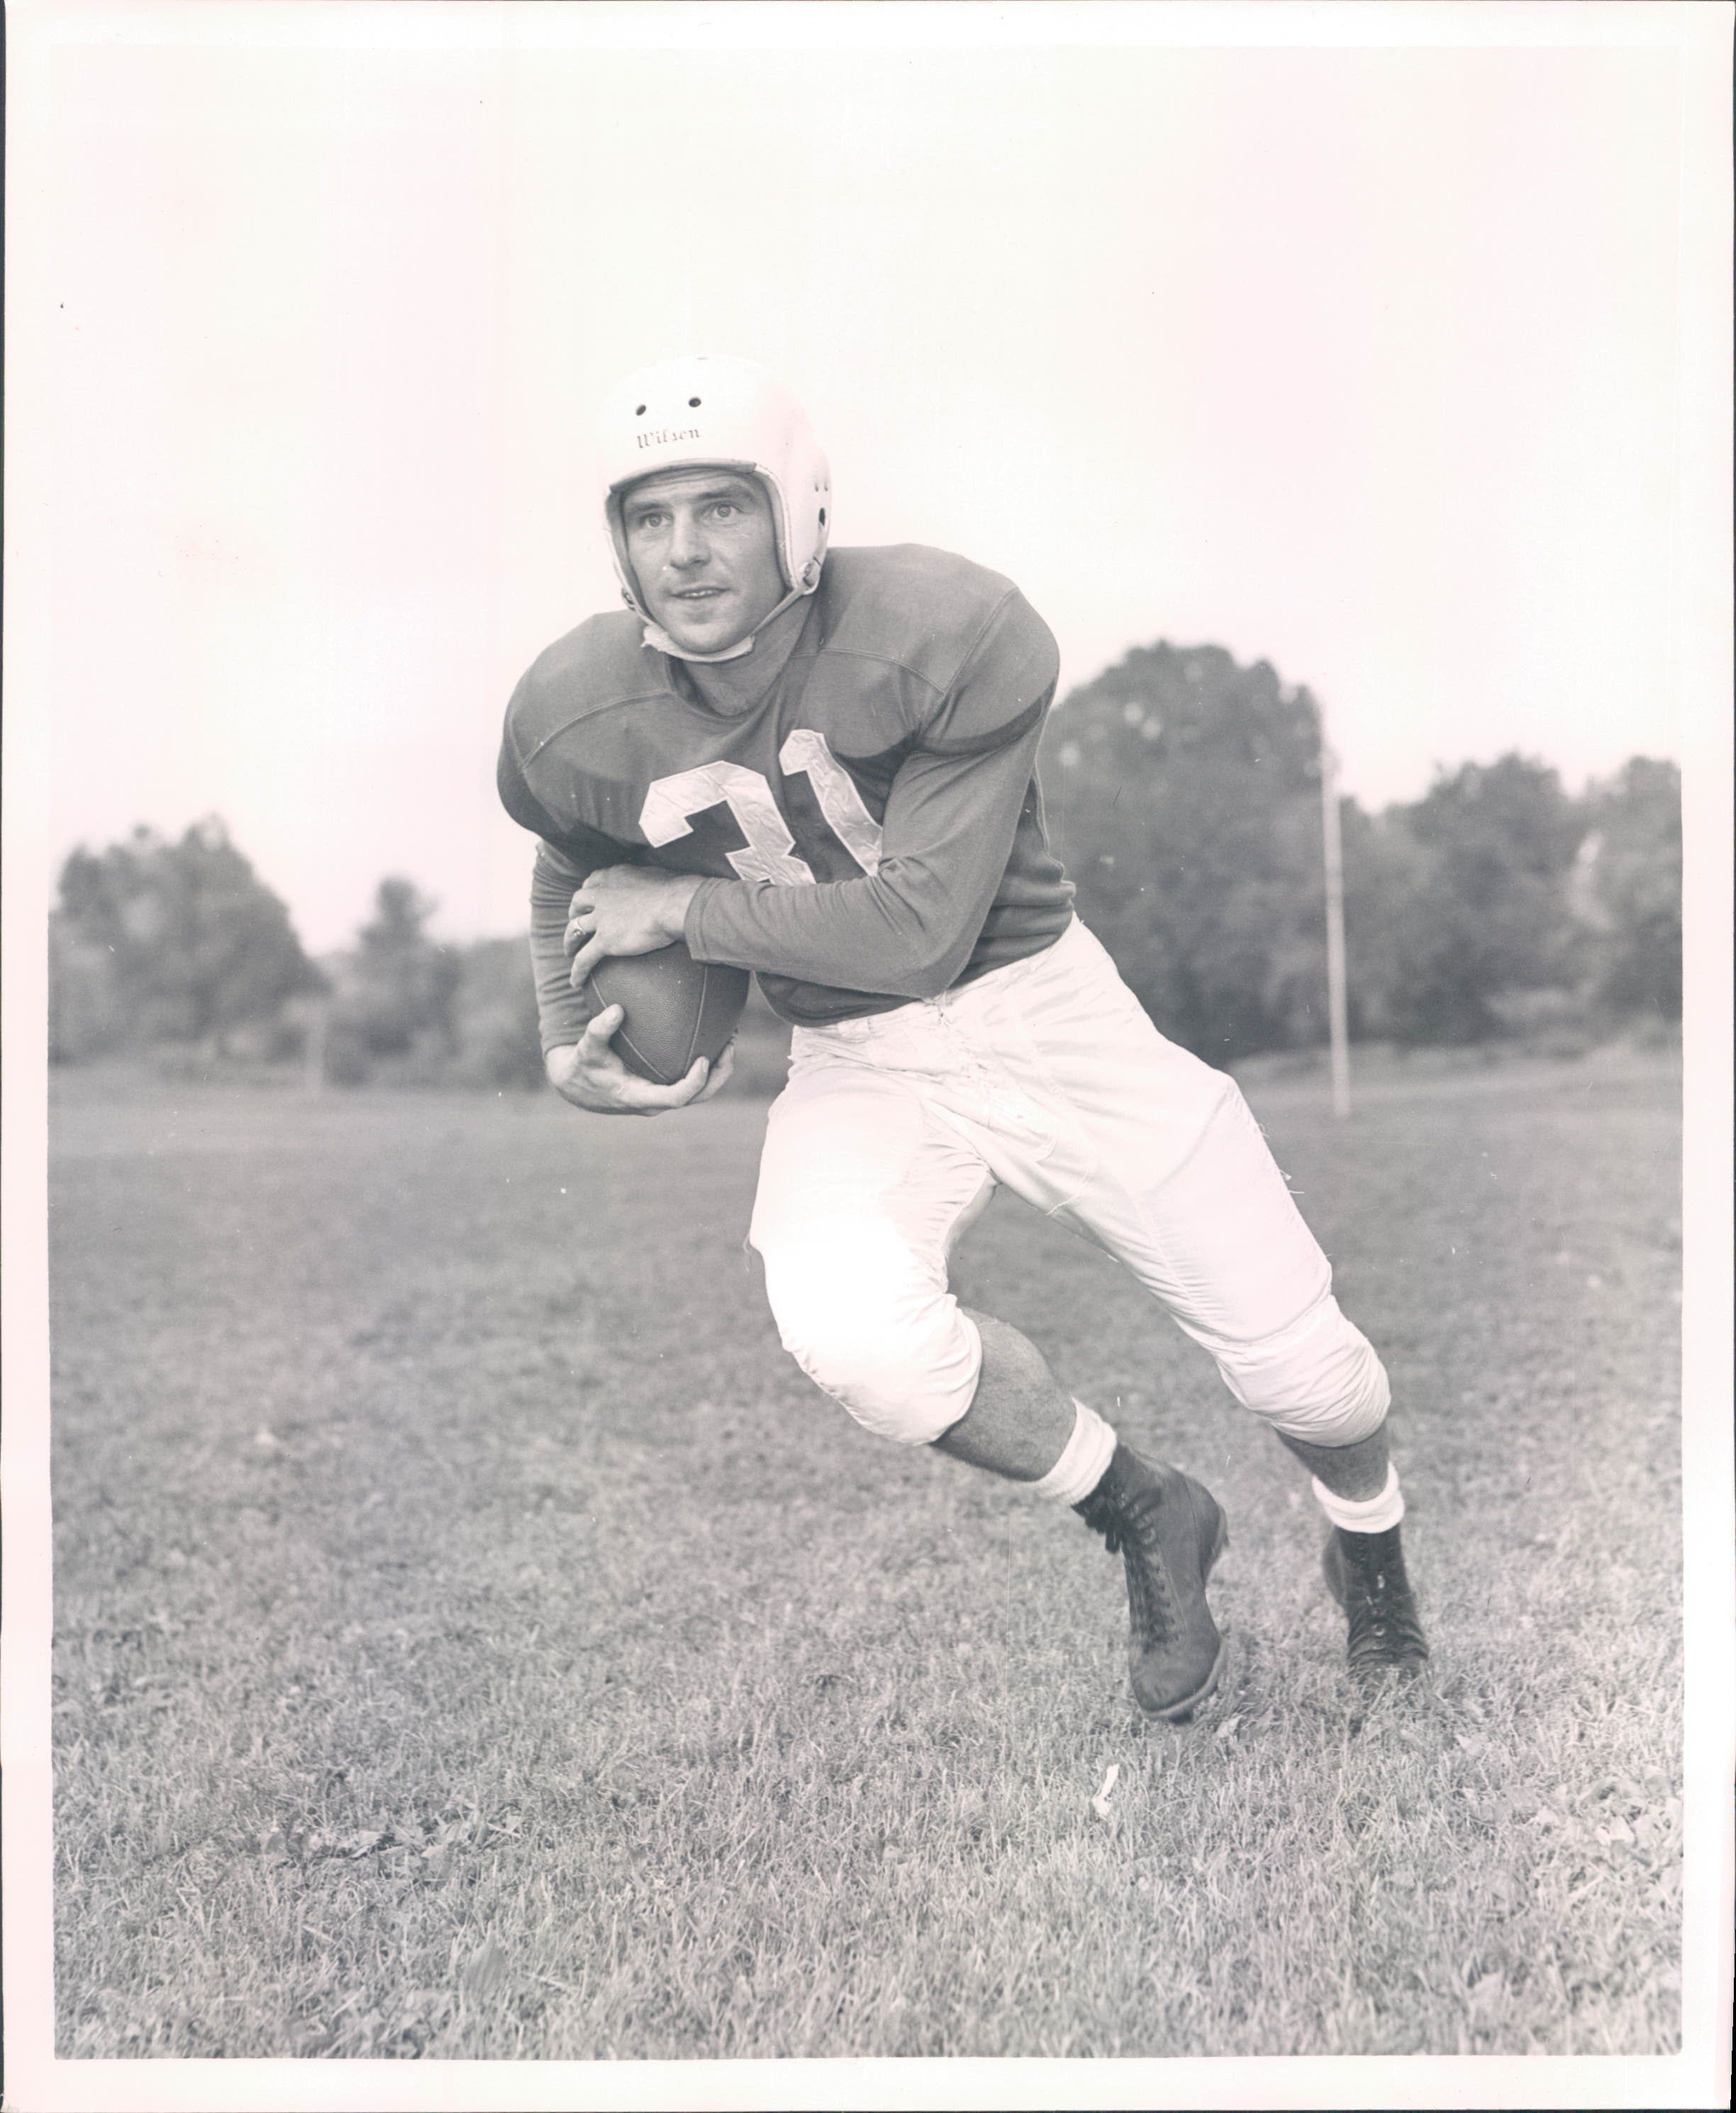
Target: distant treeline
(177,949)
(1184,794)
(1183,791)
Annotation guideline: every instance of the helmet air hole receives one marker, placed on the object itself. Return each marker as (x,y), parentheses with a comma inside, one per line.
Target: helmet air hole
(693,403)
(640,411)
(822,517)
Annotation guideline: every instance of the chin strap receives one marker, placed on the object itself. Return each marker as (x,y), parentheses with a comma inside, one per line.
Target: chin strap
(655,635)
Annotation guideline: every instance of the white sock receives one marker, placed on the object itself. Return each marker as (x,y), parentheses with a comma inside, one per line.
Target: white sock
(1371,1514)
(1084,1460)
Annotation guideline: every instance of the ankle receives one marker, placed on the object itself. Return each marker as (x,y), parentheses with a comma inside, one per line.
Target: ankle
(1370,1551)
(1084,1461)
(1369,1515)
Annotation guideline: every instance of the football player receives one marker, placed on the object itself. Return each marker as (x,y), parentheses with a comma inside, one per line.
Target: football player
(822,768)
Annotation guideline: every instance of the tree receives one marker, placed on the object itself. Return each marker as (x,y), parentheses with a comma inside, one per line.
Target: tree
(499,1044)
(1633,860)
(397,989)
(1388,876)
(1484,912)
(1186,794)
(157,941)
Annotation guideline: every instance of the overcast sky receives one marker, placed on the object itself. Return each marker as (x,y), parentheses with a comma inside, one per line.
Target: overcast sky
(1361,361)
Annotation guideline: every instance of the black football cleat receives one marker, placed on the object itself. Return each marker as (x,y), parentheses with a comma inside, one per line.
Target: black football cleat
(1365,1572)
(1169,1531)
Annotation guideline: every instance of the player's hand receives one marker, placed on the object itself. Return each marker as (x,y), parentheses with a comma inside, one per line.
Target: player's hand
(590,1075)
(625,910)
(719,1077)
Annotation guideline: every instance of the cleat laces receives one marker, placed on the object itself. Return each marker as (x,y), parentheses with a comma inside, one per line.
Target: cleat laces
(1132,1529)
(1383,1629)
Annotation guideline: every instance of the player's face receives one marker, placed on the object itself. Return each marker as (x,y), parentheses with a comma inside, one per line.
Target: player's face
(704,553)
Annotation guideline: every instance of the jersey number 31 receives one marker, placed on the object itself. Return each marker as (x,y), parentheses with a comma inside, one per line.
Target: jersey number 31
(770,853)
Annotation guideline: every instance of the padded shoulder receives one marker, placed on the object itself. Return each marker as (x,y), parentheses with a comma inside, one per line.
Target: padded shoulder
(604,662)
(922,610)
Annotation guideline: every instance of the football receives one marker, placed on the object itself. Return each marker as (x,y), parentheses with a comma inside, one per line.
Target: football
(677,1009)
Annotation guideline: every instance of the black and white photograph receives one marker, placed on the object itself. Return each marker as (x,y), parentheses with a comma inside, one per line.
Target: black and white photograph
(868,1133)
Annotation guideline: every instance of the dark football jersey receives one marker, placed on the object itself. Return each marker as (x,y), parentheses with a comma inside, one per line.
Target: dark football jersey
(869,831)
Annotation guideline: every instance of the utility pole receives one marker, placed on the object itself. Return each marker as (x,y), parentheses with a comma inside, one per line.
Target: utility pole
(1337,1006)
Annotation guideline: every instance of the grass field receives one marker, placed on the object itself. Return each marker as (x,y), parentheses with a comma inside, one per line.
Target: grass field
(475,1639)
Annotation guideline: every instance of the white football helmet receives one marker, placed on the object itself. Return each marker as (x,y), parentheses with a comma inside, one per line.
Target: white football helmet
(698,412)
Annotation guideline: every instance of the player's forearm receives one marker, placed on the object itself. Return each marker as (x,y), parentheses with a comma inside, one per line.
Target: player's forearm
(906,931)
(896,936)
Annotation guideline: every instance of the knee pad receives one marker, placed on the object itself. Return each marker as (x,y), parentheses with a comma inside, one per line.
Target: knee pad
(1318,1380)
(886,1343)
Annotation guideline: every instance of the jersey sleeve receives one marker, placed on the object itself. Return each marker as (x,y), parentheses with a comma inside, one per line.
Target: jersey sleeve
(565,858)
(908,930)
(1004,689)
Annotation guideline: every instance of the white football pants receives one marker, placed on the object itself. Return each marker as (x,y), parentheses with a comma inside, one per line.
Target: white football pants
(1046,1075)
